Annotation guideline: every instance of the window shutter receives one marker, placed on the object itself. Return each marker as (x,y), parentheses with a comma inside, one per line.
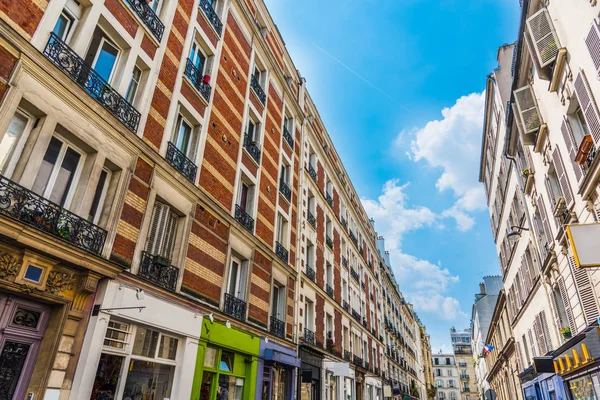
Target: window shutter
(539,334)
(586,292)
(588,106)
(519,300)
(520,365)
(550,190)
(567,304)
(563,179)
(525,273)
(546,331)
(156,232)
(592,42)
(544,220)
(544,38)
(527,110)
(532,342)
(170,233)
(572,147)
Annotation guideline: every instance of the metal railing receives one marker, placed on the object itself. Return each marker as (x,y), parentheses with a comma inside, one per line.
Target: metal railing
(310,273)
(285,190)
(197,79)
(281,252)
(329,241)
(311,219)
(31,209)
(244,218)
(354,274)
(69,62)
(234,307)
(212,16)
(353,238)
(309,336)
(356,360)
(347,355)
(356,315)
(344,262)
(329,290)
(252,148)
(258,90)
(329,199)
(346,305)
(311,171)
(148,17)
(159,271)
(180,162)
(288,137)
(277,327)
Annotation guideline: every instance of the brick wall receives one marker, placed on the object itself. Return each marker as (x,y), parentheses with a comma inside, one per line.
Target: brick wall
(7,63)
(320,320)
(320,259)
(291,301)
(337,325)
(23,15)
(260,289)
(116,8)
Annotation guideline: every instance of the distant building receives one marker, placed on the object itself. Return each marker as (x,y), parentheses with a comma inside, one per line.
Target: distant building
(445,374)
(463,353)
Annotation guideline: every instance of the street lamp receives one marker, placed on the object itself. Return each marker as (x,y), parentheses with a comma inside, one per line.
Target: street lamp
(515,233)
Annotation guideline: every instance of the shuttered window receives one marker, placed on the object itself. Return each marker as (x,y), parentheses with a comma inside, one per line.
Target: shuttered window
(527,109)
(546,330)
(586,291)
(534,352)
(539,334)
(163,228)
(563,179)
(588,106)
(543,37)
(592,41)
(572,148)
(566,304)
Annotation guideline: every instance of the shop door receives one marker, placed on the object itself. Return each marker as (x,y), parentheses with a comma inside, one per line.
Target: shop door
(22,326)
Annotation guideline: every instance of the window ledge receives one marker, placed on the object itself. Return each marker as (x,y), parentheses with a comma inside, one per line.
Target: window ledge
(541,138)
(559,66)
(529,184)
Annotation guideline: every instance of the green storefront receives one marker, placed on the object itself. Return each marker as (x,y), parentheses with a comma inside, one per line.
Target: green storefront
(226,365)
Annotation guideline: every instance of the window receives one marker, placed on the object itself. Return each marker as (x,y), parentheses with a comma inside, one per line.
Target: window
(286,173)
(554,185)
(238,274)
(253,131)
(162,231)
(155,5)
(99,196)
(184,137)
(329,274)
(309,315)
(134,83)
(312,160)
(63,25)
(281,235)
(260,75)
(102,55)
(578,125)
(216,381)
(197,57)
(288,123)
(560,307)
(329,326)
(310,255)
(246,196)
(58,173)
(278,301)
(12,138)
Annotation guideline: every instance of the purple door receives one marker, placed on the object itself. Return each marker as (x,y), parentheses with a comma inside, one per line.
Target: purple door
(22,326)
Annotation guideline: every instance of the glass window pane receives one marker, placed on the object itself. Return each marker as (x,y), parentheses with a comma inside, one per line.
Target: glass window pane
(61,29)
(168,347)
(226,361)
(107,58)
(230,388)
(145,342)
(148,380)
(11,137)
(48,163)
(210,357)
(96,206)
(205,389)
(107,377)
(64,179)
(183,137)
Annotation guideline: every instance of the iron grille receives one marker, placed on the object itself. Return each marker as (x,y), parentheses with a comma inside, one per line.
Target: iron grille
(159,271)
(180,162)
(244,218)
(197,79)
(234,307)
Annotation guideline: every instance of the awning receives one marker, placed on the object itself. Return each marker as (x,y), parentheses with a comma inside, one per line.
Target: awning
(278,356)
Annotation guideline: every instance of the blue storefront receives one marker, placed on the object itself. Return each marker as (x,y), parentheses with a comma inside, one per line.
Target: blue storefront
(544,386)
(277,367)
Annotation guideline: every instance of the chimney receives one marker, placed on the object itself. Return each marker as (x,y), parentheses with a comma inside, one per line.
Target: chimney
(482,288)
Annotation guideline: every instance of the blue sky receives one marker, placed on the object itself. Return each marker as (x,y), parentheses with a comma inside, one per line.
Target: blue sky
(399,86)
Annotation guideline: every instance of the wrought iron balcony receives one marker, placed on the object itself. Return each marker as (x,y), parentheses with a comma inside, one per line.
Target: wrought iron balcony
(285,190)
(277,327)
(244,218)
(234,307)
(159,271)
(464,376)
(180,162)
(346,305)
(329,241)
(258,90)
(252,148)
(310,273)
(372,297)
(367,365)
(354,274)
(364,322)
(344,262)
(309,336)
(376,370)
(356,315)
(353,238)
(281,252)
(212,16)
(89,80)
(288,137)
(329,290)
(329,199)
(197,79)
(347,355)
(148,17)
(312,172)
(31,209)
(357,361)
(362,285)
(311,219)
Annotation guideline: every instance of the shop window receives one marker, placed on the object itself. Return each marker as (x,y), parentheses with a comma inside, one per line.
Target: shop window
(217,380)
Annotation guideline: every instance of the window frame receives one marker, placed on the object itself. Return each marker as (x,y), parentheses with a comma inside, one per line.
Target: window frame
(100,207)
(14,155)
(106,39)
(137,84)
(243,270)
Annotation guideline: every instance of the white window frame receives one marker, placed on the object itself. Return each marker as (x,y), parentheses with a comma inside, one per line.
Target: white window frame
(11,163)
(70,27)
(197,48)
(102,199)
(137,84)
(192,142)
(242,268)
(103,40)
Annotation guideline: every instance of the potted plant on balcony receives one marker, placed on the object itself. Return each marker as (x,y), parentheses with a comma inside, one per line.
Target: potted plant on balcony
(160,260)
(566,332)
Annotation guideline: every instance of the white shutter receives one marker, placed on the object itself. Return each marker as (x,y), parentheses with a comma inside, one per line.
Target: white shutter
(546,331)
(532,343)
(539,335)
(572,147)
(592,42)
(162,232)
(563,179)
(586,291)
(543,37)
(527,110)
(567,304)
(588,106)
(243,279)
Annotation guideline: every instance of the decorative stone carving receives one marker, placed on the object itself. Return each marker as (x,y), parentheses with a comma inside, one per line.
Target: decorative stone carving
(59,281)
(9,265)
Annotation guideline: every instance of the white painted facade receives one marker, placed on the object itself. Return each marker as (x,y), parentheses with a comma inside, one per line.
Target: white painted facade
(445,377)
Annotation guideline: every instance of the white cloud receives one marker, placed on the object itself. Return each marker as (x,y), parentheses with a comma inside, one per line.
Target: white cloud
(453,145)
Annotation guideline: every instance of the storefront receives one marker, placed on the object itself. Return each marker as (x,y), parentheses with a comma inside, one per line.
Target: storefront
(541,386)
(577,362)
(227,364)
(349,388)
(277,367)
(373,388)
(137,346)
(309,385)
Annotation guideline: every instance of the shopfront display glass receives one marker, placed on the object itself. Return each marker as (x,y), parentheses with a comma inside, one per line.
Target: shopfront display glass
(583,388)
(223,375)
(148,380)
(280,377)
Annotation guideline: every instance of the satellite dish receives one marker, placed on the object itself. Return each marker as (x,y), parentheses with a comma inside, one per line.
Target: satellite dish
(490,394)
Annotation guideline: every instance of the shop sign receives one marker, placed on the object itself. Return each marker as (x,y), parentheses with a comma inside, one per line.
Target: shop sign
(579,355)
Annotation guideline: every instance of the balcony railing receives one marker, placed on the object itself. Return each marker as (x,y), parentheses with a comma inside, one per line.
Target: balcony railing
(244,218)
(159,271)
(277,327)
(180,162)
(285,190)
(353,238)
(367,365)
(356,315)
(312,172)
(346,305)
(148,17)
(258,90)
(354,274)
(329,241)
(311,219)
(357,361)
(344,223)
(234,307)
(464,376)
(31,209)
(197,79)
(329,199)
(329,290)
(212,16)
(252,148)
(310,273)
(281,252)
(89,80)
(288,137)
(344,262)
(309,336)
(347,355)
